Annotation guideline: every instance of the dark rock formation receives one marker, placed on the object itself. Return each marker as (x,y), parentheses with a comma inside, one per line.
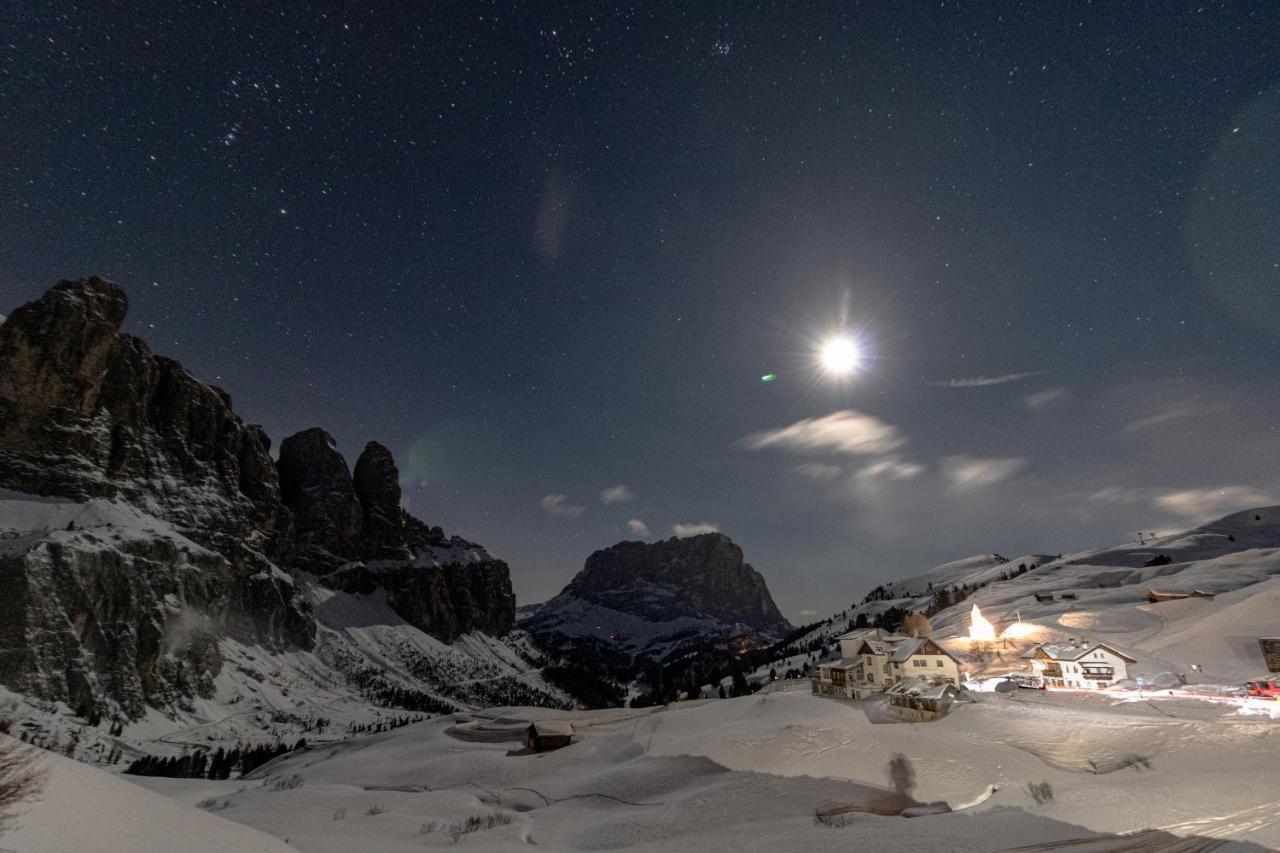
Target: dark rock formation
(699,576)
(174,526)
(90,615)
(316,485)
(650,598)
(353,531)
(87,411)
(377,487)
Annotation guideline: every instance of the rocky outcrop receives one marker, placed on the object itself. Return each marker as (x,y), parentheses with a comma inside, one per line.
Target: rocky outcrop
(701,576)
(653,596)
(353,532)
(377,487)
(87,411)
(316,485)
(150,522)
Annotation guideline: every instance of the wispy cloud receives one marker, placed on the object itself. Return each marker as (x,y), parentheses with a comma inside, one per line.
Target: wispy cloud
(845,431)
(694,529)
(819,471)
(889,468)
(638,528)
(1045,399)
(1207,504)
(1174,413)
(965,473)
(618,494)
(985,381)
(559,505)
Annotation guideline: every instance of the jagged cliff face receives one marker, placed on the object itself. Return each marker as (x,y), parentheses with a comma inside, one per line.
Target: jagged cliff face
(352,531)
(179,527)
(652,597)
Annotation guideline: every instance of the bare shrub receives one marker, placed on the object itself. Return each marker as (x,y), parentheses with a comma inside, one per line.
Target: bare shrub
(834,821)
(21,779)
(284,783)
(478,823)
(339,814)
(430,827)
(376,809)
(1041,792)
(213,804)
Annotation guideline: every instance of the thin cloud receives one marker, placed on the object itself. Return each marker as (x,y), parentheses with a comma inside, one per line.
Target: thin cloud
(845,431)
(683,531)
(1208,504)
(1175,413)
(820,471)
(638,528)
(559,505)
(986,381)
(966,473)
(618,494)
(1039,400)
(888,468)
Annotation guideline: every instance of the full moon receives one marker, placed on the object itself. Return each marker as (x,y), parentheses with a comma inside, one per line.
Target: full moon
(840,356)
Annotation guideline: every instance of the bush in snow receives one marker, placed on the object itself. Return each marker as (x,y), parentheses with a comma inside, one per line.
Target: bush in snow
(1041,792)
(20,778)
(476,823)
(284,783)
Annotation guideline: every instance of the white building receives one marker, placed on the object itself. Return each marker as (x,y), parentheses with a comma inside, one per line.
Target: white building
(1079,664)
(872,660)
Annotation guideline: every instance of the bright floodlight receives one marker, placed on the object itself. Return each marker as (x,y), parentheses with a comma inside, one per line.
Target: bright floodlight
(840,356)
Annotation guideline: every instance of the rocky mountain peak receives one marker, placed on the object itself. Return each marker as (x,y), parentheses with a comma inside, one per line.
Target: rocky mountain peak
(652,597)
(316,485)
(377,486)
(706,576)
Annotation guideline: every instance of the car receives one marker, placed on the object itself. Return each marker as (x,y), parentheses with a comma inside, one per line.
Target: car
(1269,689)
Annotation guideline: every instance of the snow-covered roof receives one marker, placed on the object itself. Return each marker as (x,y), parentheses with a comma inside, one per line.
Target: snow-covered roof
(863,633)
(899,648)
(1073,651)
(922,688)
(552,727)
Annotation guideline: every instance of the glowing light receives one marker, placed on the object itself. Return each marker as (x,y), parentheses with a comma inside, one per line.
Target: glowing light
(980,630)
(840,356)
(1019,630)
(768,377)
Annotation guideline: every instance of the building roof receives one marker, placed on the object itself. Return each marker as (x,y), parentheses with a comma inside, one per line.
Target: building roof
(1074,651)
(863,633)
(551,727)
(922,688)
(900,649)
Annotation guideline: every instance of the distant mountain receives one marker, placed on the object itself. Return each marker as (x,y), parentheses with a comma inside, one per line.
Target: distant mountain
(650,598)
(154,556)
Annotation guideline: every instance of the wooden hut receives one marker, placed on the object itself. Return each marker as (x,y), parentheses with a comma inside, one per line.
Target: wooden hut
(546,735)
(1271,652)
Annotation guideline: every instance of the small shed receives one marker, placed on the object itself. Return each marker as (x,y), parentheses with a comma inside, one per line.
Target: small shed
(921,701)
(546,735)
(1044,597)
(1271,652)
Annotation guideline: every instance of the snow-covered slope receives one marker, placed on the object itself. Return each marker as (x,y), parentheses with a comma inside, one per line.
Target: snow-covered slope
(750,773)
(85,809)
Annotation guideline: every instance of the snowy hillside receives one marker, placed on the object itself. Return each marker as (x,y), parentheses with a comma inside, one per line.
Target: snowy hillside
(749,774)
(85,809)
(368,663)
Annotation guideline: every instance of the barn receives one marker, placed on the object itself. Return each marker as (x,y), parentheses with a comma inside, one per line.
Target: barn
(546,735)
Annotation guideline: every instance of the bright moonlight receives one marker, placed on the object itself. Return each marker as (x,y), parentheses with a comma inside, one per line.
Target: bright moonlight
(840,356)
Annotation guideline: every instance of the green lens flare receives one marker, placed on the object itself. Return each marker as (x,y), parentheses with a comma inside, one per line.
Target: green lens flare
(768,377)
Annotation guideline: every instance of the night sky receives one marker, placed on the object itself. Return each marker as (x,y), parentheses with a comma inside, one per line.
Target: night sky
(545,251)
